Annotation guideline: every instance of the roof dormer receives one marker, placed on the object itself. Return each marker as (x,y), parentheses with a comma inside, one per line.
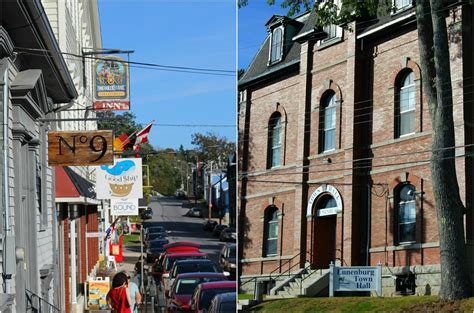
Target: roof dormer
(280,29)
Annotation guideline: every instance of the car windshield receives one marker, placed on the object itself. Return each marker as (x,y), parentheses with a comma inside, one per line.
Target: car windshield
(186,286)
(156,229)
(232,252)
(195,267)
(208,294)
(170,260)
(156,235)
(157,244)
(228,306)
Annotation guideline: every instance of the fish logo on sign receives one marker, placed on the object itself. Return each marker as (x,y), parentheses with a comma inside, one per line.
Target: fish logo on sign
(121,168)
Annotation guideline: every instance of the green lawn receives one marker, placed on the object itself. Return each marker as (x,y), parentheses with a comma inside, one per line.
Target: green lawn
(132,239)
(365,304)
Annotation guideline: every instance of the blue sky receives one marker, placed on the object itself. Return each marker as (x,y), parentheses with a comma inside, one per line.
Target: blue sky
(252,30)
(190,33)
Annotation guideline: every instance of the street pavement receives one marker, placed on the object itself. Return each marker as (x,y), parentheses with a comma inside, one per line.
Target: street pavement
(169,212)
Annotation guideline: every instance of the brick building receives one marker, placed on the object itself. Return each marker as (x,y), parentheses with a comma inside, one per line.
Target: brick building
(334,147)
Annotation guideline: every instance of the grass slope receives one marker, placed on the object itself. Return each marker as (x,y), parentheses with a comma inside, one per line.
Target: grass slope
(365,304)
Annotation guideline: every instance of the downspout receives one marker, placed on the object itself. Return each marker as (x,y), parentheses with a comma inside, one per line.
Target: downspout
(5,172)
(369,213)
(72,232)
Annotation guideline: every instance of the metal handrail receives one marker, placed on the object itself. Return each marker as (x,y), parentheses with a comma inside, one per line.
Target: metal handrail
(289,269)
(30,296)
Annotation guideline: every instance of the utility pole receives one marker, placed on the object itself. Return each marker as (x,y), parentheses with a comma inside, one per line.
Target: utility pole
(209,197)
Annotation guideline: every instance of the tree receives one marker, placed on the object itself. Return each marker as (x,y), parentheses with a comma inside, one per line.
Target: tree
(434,53)
(212,147)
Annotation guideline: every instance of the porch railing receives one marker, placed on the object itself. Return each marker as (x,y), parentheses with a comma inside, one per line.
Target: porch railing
(35,303)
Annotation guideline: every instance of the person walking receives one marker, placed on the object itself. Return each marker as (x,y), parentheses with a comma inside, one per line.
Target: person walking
(135,295)
(118,298)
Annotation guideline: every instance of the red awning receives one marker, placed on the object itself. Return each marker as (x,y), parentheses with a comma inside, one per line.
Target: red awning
(65,188)
(73,188)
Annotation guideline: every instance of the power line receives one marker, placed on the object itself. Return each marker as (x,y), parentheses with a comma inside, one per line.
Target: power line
(142,64)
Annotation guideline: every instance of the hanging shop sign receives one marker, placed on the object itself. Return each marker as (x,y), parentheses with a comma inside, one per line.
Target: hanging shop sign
(121,180)
(111,84)
(80,148)
(355,278)
(124,207)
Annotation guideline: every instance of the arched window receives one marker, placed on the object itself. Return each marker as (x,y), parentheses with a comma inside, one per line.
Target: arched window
(405,108)
(271,232)
(406,211)
(328,123)
(274,141)
(277,43)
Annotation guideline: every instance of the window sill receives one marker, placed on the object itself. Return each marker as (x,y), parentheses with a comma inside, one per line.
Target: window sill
(406,136)
(330,42)
(325,154)
(271,63)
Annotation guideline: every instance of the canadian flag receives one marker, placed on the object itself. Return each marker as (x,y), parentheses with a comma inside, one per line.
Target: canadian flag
(142,136)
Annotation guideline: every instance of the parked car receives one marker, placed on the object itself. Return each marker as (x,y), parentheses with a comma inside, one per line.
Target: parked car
(228,259)
(154,236)
(183,287)
(205,292)
(217,230)
(209,225)
(170,258)
(180,194)
(194,212)
(154,249)
(153,230)
(224,302)
(147,214)
(228,234)
(190,266)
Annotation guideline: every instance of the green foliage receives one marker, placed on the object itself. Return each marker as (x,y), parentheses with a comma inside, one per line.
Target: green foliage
(164,177)
(212,147)
(240,73)
(124,123)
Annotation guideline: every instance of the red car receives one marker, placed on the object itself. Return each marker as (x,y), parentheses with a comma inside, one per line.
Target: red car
(205,292)
(169,259)
(182,246)
(183,287)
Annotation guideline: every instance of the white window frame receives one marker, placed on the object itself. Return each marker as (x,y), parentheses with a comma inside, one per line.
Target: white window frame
(277,125)
(271,222)
(331,106)
(399,223)
(408,4)
(409,110)
(270,61)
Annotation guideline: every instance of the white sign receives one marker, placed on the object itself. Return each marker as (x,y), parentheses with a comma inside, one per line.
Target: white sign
(355,278)
(325,189)
(124,207)
(121,180)
(95,234)
(327,212)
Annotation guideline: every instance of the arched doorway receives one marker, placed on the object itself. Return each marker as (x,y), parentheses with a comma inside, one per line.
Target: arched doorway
(324,240)
(323,206)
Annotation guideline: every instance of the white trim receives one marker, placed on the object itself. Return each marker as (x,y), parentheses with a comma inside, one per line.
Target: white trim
(372,31)
(77,200)
(324,189)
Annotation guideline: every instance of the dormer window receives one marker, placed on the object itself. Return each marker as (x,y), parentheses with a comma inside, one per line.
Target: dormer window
(401,5)
(276,49)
